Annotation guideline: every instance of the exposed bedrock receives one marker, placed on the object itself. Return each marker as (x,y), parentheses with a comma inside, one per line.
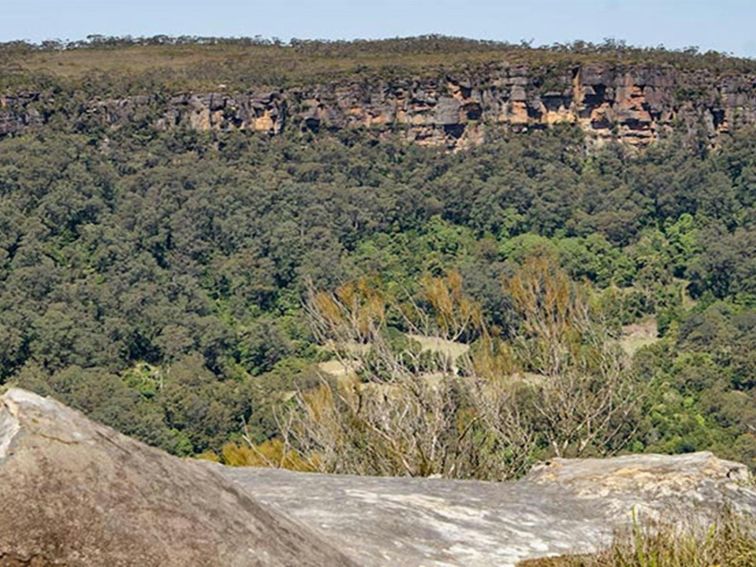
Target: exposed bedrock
(564,507)
(74,493)
(636,105)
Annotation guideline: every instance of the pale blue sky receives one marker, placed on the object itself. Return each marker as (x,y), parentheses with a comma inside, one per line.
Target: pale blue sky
(723,25)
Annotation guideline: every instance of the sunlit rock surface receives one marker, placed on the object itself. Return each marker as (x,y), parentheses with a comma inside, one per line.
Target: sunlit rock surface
(635,105)
(566,506)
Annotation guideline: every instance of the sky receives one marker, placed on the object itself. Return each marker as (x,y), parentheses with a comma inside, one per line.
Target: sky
(722,25)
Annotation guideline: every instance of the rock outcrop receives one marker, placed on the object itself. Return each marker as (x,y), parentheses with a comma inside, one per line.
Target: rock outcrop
(563,507)
(635,105)
(76,493)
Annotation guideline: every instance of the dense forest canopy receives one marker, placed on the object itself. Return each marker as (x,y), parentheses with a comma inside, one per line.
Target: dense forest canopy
(188,287)
(156,279)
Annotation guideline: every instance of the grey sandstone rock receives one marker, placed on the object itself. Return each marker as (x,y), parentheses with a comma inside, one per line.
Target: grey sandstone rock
(447,111)
(566,506)
(76,493)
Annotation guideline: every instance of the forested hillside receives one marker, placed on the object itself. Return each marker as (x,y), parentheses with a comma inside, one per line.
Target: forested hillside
(189,286)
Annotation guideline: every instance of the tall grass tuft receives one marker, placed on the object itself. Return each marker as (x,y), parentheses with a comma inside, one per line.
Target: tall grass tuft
(730,541)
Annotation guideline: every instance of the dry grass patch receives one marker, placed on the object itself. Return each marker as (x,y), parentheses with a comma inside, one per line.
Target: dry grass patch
(730,541)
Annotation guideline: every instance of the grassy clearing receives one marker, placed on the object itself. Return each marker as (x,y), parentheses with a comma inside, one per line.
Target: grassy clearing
(451,349)
(339,369)
(638,335)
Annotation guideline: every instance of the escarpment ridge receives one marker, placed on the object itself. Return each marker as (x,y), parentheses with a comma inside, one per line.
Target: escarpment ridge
(636,105)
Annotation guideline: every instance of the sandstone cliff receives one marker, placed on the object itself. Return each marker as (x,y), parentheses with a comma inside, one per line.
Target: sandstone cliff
(636,105)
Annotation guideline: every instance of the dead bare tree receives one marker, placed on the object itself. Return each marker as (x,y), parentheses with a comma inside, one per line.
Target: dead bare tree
(481,416)
(586,395)
(589,411)
(407,428)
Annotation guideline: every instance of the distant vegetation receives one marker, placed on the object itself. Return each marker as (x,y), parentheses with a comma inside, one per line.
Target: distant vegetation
(158,281)
(125,64)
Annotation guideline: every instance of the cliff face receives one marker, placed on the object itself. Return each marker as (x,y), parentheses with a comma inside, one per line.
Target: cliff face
(634,105)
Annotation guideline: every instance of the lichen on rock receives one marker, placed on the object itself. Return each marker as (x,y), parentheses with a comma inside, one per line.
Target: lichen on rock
(77,493)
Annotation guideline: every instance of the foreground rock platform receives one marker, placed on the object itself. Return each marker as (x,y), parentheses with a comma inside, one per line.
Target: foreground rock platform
(563,507)
(76,493)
